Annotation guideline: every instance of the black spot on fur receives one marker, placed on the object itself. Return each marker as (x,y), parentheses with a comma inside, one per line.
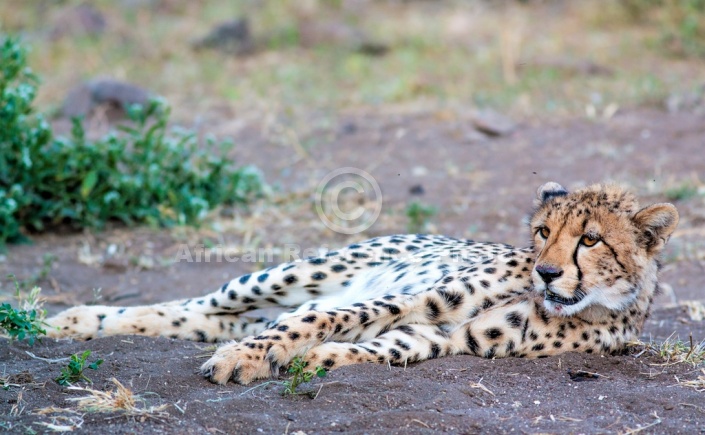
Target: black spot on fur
(364,317)
(537,347)
(338,268)
(432,310)
(514,319)
(406,329)
(202,337)
(493,333)
(309,319)
(318,276)
(402,345)
(261,278)
(435,351)
(452,299)
(471,342)
(290,279)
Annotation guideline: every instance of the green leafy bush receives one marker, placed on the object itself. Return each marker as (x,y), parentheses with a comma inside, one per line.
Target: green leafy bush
(21,324)
(680,22)
(144,173)
(27,321)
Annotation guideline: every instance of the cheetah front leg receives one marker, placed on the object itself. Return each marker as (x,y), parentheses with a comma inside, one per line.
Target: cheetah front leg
(262,356)
(402,345)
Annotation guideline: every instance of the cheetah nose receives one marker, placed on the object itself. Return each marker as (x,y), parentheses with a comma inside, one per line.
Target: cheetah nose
(548,273)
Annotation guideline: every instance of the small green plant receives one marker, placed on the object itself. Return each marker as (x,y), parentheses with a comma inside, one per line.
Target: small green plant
(300,376)
(27,321)
(683,192)
(145,173)
(73,372)
(419,214)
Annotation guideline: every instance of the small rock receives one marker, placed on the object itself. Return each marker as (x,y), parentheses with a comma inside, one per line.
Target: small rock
(570,66)
(314,32)
(230,37)
(493,123)
(82,99)
(117,265)
(349,128)
(81,20)
(417,190)
(687,101)
(474,136)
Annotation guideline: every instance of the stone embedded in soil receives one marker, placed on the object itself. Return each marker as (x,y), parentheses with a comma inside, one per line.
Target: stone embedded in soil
(84,98)
(417,189)
(474,136)
(231,37)
(81,20)
(493,123)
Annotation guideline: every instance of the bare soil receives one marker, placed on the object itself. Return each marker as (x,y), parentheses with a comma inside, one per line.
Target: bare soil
(483,189)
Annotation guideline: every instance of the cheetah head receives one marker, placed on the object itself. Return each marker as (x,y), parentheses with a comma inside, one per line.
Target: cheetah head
(596,246)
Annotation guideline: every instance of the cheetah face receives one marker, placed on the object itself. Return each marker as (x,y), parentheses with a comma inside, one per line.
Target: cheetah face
(595,246)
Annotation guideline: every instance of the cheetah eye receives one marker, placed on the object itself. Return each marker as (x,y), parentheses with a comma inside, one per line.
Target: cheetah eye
(589,240)
(544,232)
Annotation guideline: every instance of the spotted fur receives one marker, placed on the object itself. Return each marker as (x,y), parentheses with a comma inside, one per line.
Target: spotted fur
(585,284)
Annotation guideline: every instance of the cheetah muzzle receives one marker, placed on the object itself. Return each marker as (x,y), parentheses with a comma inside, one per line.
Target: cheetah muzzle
(586,283)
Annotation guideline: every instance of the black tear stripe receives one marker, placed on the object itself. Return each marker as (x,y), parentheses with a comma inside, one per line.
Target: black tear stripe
(614,253)
(575,262)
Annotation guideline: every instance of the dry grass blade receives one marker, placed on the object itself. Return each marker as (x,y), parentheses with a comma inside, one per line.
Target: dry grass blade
(62,423)
(121,400)
(698,384)
(479,385)
(642,428)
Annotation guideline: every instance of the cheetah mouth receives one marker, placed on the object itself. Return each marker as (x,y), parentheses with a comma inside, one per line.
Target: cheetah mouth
(553,297)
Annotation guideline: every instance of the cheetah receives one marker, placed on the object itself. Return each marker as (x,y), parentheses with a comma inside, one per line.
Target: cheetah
(585,284)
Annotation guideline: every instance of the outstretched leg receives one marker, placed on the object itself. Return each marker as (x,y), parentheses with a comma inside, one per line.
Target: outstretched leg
(217,316)
(88,322)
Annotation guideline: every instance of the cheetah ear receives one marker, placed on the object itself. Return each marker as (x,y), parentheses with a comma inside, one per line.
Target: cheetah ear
(656,222)
(550,190)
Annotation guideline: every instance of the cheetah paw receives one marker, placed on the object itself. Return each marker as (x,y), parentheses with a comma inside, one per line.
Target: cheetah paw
(242,363)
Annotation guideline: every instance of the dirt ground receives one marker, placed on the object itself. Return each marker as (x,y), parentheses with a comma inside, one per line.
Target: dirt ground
(482,188)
